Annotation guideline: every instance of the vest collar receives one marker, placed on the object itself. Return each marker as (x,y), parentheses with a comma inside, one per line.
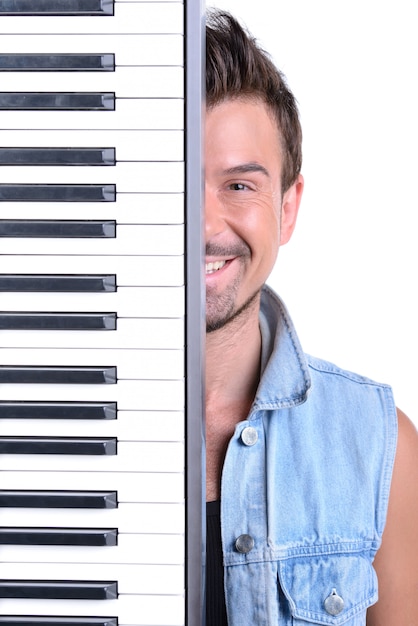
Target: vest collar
(285,379)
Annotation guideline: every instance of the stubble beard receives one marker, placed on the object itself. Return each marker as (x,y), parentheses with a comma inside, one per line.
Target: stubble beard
(221,311)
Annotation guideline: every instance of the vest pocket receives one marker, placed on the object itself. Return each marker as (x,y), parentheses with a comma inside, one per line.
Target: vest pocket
(328,589)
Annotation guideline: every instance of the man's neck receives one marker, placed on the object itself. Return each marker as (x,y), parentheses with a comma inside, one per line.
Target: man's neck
(232,377)
(233,362)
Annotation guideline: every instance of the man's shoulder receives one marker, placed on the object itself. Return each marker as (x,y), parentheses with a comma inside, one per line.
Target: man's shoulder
(396,561)
(342,391)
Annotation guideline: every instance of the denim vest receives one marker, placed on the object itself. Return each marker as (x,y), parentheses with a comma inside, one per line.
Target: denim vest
(305,488)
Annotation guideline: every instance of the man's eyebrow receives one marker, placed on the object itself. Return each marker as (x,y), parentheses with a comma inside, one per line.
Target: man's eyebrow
(245,168)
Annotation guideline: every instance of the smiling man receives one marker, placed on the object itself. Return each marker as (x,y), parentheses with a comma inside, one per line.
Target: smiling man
(312,473)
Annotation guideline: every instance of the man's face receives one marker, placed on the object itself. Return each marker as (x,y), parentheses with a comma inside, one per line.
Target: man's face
(243,207)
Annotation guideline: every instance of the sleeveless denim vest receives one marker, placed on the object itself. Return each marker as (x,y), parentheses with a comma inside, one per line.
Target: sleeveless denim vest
(305,488)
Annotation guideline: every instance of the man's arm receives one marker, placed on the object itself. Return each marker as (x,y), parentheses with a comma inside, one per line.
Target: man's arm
(396,562)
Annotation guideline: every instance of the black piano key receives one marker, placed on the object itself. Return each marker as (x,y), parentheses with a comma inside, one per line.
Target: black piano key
(60,101)
(57,7)
(59,536)
(58,156)
(59,589)
(57,321)
(58,283)
(96,446)
(57,375)
(50,620)
(52,499)
(57,193)
(59,229)
(58,410)
(57,62)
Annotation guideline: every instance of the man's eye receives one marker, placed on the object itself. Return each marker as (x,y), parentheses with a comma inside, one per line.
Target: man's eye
(237,187)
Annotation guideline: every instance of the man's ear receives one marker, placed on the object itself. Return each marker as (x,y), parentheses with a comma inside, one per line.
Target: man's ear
(290,208)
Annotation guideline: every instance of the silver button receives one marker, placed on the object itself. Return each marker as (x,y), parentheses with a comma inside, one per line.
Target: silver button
(249,436)
(334,604)
(244,544)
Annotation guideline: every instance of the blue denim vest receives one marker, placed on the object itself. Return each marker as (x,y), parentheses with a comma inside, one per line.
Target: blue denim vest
(305,488)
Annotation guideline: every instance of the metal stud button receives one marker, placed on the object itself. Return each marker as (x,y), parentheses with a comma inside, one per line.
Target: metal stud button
(334,604)
(244,544)
(249,436)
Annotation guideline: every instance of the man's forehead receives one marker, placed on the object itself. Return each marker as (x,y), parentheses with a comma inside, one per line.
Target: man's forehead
(242,138)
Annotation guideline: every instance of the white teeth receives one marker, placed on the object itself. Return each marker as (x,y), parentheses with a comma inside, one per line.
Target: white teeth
(214,267)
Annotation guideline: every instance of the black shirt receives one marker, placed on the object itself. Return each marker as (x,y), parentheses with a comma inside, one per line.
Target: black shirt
(215,595)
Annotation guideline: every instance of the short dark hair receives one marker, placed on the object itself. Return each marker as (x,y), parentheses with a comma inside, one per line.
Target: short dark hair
(236,67)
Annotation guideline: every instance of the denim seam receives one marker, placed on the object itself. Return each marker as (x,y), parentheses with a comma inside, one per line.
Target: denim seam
(391,436)
(321,366)
(321,618)
(327,550)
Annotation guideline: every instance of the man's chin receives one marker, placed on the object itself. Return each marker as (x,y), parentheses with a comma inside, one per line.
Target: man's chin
(217,322)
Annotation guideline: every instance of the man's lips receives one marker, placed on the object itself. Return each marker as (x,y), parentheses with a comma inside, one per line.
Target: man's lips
(217,256)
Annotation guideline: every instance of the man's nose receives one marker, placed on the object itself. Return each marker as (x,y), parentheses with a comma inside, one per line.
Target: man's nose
(214,213)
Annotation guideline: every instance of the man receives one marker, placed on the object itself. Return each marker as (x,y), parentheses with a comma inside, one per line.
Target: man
(301,456)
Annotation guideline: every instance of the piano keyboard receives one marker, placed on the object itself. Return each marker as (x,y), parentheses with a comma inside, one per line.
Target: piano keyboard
(100,313)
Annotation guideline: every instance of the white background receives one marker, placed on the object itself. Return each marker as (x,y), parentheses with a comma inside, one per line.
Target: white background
(348,275)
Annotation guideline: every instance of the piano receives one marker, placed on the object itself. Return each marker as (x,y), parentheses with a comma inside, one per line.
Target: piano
(101,313)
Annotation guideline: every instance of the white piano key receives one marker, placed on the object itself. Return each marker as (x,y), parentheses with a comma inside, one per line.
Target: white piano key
(125,430)
(131,610)
(138,208)
(140,333)
(156,364)
(130,49)
(139,395)
(147,239)
(157,302)
(162,456)
(130,486)
(141,17)
(131,145)
(130,426)
(125,82)
(130,113)
(123,360)
(72,428)
(158,579)
(128,177)
(153,271)
(131,549)
(140,520)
